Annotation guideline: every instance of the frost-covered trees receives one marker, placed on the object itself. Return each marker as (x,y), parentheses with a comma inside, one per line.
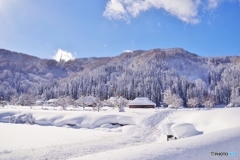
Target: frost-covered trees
(193,102)
(80,101)
(65,101)
(118,102)
(235,97)
(139,74)
(209,102)
(97,104)
(121,103)
(26,100)
(172,99)
(112,102)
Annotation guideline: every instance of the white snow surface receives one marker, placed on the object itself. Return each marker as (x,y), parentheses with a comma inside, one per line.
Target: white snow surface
(166,128)
(109,134)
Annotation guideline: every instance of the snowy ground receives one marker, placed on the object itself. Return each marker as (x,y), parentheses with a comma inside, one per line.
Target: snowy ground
(109,134)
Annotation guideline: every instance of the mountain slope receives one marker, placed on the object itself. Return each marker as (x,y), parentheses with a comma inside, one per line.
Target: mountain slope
(139,73)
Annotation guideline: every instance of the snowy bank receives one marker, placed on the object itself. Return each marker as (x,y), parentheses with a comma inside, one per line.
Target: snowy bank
(134,134)
(192,148)
(70,118)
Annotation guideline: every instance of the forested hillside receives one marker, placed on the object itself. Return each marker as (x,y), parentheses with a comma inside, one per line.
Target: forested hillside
(156,74)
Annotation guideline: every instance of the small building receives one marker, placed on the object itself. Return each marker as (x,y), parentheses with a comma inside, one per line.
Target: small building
(141,102)
(39,102)
(51,102)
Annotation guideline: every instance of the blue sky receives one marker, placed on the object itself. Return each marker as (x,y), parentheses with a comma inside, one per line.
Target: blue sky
(99,28)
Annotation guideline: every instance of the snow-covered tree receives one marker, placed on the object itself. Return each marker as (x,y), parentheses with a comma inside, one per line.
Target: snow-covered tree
(122,102)
(168,97)
(80,101)
(173,100)
(178,102)
(65,101)
(89,100)
(235,97)
(26,100)
(112,102)
(209,102)
(193,102)
(97,104)
(118,102)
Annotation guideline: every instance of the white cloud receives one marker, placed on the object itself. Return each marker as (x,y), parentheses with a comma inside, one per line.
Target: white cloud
(63,55)
(127,51)
(185,10)
(213,4)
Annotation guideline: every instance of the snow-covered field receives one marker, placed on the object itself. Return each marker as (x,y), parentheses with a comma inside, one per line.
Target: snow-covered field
(109,134)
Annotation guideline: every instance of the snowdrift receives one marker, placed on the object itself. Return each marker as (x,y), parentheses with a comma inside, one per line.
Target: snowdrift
(183,130)
(180,130)
(60,118)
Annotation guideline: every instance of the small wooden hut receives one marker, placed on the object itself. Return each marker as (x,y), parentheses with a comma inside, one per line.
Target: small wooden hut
(141,102)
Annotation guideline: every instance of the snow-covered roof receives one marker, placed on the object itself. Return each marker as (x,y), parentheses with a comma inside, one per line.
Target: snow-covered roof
(112,99)
(142,101)
(52,100)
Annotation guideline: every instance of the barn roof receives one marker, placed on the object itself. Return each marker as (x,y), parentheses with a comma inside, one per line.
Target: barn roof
(52,100)
(141,101)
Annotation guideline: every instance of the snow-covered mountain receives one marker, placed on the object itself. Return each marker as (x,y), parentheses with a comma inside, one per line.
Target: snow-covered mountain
(139,73)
